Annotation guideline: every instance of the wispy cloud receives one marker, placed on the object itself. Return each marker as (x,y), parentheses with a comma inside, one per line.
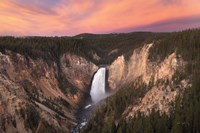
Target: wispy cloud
(69,17)
(167,25)
(171,2)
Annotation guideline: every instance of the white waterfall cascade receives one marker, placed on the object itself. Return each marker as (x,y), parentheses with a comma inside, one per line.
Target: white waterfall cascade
(98,85)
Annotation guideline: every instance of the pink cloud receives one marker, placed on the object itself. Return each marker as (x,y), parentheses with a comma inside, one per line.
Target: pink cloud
(69,17)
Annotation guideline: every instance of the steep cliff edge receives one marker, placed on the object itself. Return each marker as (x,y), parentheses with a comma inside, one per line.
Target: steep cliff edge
(122,71)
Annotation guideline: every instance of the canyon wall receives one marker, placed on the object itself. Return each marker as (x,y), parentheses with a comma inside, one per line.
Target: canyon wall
(161,74)
(78,71)
(26,82)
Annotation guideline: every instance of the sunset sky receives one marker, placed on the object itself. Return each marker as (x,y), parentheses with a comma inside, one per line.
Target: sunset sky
(71,17)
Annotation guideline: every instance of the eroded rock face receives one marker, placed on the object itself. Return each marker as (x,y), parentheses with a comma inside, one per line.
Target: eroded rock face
(78,70)
(122,72)
(117,72)
(28,82)
(161,95)
(17,68)
(165,85)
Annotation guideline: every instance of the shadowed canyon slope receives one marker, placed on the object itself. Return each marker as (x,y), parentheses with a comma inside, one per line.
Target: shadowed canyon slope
(45,81)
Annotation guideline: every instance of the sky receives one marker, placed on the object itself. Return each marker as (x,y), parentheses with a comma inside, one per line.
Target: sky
(71,17)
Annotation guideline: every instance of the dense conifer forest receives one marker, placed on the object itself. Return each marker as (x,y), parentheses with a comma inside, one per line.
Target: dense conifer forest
(85,45)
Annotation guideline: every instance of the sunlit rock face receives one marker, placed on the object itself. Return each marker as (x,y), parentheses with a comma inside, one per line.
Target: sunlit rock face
(26,82)
(98,85)
(78,70)
(122,72)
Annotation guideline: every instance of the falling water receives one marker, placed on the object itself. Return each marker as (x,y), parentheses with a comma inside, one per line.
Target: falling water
(98,85)
(97,93)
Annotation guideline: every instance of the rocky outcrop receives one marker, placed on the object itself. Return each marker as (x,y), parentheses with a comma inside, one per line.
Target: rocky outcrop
(160,74)
(18,69)
(122,72)
(78,70)
(161,96)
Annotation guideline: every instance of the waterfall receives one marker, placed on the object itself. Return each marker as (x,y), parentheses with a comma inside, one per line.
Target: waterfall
(97,93)
(98,85)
